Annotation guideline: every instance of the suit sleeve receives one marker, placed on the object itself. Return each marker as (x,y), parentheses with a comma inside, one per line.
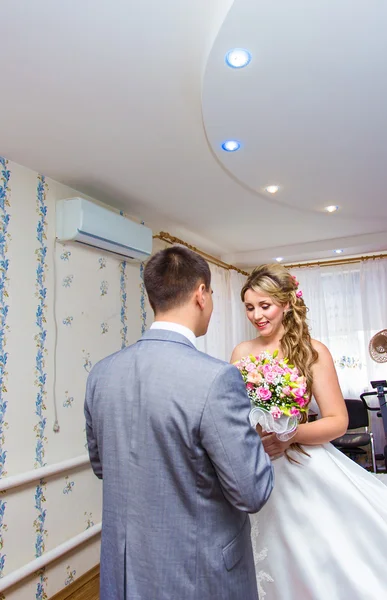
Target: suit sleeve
(92,443)
(235,449)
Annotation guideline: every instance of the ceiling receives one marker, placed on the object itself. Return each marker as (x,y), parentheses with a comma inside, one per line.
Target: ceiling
(130,101)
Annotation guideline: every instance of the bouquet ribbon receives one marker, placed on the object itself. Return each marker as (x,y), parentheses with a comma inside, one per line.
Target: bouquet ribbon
(284,427)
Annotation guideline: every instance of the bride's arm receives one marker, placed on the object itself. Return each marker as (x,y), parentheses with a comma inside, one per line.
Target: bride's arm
(326,390)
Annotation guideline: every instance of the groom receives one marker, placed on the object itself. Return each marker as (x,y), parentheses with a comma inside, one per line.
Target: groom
(168,433)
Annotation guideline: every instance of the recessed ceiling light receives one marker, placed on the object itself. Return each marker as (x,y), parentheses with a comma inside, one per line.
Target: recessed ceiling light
(237,58)
(231,145)
(331,209)
(272,189)
(338,251)
(279,258)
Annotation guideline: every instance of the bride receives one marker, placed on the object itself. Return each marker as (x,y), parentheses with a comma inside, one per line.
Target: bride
(323,532)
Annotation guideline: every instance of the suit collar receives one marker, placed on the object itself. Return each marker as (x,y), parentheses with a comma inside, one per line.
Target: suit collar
(162,335)
(177,328)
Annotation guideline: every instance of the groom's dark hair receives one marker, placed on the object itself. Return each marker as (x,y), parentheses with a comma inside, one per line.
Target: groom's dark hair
(172,275)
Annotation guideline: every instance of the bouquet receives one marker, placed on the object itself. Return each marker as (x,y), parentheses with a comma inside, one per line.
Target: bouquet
(277,392)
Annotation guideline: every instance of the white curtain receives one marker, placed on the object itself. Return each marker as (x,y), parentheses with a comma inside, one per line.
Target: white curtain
(229,325)
(373,281)
(348,305)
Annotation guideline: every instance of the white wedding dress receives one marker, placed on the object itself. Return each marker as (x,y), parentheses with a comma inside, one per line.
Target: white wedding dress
(323,533)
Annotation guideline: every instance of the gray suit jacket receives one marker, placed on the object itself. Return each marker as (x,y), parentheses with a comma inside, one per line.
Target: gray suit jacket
(168,431)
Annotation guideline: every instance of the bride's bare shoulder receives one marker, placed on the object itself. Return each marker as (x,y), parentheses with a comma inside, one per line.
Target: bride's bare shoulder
(324,355)
(320,347)
(241,350)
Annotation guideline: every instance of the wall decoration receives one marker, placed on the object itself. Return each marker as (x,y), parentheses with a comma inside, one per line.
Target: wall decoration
(124,318)
(4,328)
(95,316)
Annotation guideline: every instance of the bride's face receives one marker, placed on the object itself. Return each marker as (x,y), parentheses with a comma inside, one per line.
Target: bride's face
(264,314)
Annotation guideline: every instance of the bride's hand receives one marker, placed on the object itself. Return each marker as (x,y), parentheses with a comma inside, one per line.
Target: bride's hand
(273,446)
(261,432)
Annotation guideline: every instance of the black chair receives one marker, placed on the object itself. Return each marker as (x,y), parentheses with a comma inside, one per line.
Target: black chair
(354,441)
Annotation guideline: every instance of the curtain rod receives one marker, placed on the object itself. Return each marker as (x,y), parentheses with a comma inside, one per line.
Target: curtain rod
(170,239)
(337,261)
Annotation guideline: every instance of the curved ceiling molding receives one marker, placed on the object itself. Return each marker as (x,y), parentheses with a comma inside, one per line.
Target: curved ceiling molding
(136,140)
(309,109)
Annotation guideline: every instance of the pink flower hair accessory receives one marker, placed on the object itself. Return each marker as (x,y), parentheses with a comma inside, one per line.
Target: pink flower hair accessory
(299,294)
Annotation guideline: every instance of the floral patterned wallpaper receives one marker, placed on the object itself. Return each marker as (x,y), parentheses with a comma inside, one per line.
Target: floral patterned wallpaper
(62,308)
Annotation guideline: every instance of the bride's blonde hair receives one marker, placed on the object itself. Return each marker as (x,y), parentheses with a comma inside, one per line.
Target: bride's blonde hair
(296,344)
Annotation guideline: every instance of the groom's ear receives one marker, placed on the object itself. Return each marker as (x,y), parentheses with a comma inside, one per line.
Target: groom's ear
(200,295)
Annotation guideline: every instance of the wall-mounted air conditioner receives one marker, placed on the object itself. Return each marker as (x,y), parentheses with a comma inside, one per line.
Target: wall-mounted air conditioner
(80,220)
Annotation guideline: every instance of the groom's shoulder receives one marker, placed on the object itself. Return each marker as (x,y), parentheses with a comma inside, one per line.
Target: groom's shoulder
(104,364)
(216,372)
(210,363)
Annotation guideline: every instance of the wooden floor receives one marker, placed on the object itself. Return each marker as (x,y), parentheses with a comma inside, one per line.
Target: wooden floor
(84,588)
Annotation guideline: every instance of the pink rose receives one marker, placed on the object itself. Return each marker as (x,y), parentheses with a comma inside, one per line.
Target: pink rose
(286,390)
(299,392)
(302,402)
(270,376)
(267,369)
(249,386)
(294,411)
(275,412)
(263,394)
(294,376)
(250,367)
